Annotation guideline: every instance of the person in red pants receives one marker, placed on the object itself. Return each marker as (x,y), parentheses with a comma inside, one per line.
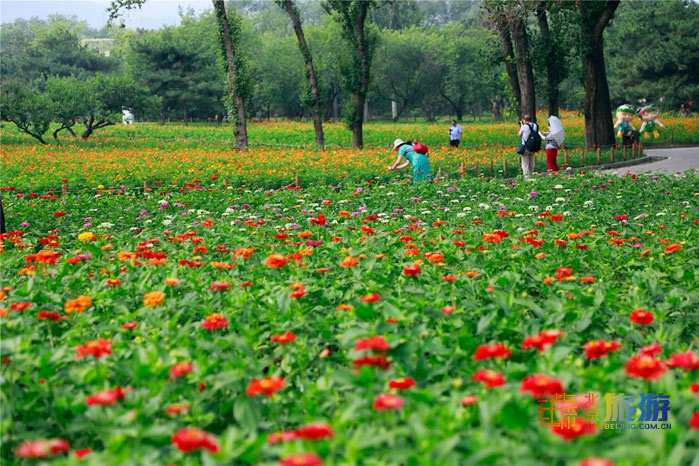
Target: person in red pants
(554,139)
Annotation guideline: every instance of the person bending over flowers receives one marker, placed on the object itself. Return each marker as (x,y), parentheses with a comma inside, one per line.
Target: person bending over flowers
(419,162)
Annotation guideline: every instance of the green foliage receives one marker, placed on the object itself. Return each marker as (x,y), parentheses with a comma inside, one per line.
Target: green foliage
(23,105)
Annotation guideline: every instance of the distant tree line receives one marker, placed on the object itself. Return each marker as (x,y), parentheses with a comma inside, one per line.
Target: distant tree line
(362,59)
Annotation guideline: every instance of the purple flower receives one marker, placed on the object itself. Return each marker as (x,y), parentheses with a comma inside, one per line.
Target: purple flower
(87,225)
(245,206)
(533,194)
(637,246)
(24,224)
(164,205)
(359,190)
(143,212)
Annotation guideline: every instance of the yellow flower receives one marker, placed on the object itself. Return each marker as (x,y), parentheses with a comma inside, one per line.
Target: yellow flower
(87,236)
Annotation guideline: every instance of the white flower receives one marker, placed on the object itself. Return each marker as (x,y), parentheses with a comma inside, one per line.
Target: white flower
(484,206)
(105,225)
(163,201)
(460,215)
(534,208)
(560,199)
(467,209)
(558,186)
(660,214)
(549,208)
(167,222)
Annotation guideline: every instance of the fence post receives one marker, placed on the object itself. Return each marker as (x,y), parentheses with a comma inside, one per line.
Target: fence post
(625,149)
(462,170)
(476,168)
(504,167)
(64,189)
(565,155)
(611,154)
(298,183)
(599,156)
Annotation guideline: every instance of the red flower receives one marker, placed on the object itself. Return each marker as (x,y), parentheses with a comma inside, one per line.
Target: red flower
(641,317)
(285,337)
(411,270)
(96,348)
(377,343)
(496,350)
(598,348)
(645,367)
(402,383)
(574,431)
(82,453)
(541,340)
(387,402)
(181,369)
(377,360)
(469,400)
(20,306)
(651,350)
(279,437)
(694,421)
(491,379)
(319,220)
(54,316)
(107,397)
(540,385)
(58,214)
(214,321)
(448,310)
(314,432)
(130,325)
(192,438)
(694,387)
(301,459)
(686,360)
(267,386)
(370,298)
(219,286)
(41,448)
(563,272)
(298,294)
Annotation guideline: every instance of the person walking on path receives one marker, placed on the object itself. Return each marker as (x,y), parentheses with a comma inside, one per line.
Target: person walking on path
(528,158)
(419,162)
(455,132)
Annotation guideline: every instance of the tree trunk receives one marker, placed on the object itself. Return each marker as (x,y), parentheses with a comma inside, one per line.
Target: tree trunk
(310,72)
(524,68)
(240,132)
(510,65)
(365,66)
(599,129)
(552,74)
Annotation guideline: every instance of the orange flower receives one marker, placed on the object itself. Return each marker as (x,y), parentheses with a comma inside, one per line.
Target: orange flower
(370,298)
(78,304)
(673,248)
(285,337)
(153,298)
(435,258)
(450,278)
(96,348)
(267,386)
(349,261)
(172,281)
(587,280)
(47,256)
(345,214)
(645,253)
(471,274)
(344,307)
(276,261)
(548,281)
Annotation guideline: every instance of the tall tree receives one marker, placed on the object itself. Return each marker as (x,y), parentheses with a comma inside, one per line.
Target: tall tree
(594,17)
(290,7)
(229,35)
(352,16)
(551,58)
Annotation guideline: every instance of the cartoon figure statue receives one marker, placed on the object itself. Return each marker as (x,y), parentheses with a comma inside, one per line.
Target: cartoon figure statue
(624,116)
(649,115)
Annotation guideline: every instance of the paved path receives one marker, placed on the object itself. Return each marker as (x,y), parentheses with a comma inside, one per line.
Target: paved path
(667,160)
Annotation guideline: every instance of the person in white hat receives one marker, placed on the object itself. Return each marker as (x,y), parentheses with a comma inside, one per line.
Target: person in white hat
(407,156)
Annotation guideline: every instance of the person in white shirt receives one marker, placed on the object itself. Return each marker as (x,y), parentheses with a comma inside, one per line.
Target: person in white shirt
(528,158)
(455,134)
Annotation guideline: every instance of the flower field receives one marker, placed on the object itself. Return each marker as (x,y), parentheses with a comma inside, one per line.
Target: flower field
(352,321)
(280,151)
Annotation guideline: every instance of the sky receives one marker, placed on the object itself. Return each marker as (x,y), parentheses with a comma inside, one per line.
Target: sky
(153,15)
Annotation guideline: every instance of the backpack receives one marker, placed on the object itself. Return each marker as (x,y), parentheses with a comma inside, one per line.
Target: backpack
(533,142)
(420,148)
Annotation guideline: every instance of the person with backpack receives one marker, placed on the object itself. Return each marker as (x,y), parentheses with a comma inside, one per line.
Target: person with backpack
(531,144)
(419,161)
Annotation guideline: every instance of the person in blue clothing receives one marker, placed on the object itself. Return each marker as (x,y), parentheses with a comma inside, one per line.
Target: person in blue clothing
(419,162)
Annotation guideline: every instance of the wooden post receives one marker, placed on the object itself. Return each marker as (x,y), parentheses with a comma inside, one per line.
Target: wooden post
(599,156)
(476,168)
(504,167)
(611,154)
(64,189)
(625,149)
(298,183)
(565,156)
(146,189)
(462,170)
